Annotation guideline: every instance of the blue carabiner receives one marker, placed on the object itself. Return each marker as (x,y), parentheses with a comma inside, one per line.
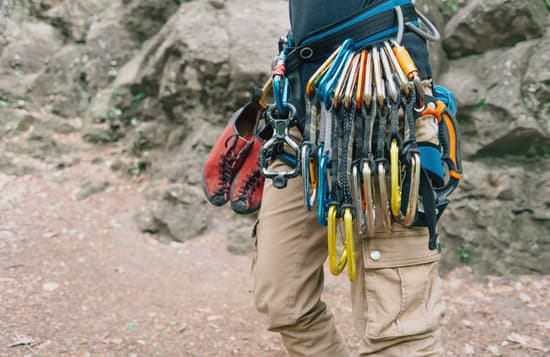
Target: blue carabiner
(329,80)
(322,195)
(280,83)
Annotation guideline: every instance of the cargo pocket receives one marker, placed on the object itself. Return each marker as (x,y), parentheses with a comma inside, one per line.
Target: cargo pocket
(402,287)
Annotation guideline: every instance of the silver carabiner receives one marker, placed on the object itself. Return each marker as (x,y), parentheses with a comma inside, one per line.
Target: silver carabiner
(379,83)
(393,93)
(433,36)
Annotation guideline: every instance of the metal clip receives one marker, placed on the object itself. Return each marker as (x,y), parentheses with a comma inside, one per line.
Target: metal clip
(383,189)
(281,126)
(367,173)
(352,81)
(322,195)
(350,249)
(395,172)
(367,92)
(340,87)
(336,264)
(309,175)
(434,34)
(393,93)
(401,76)
(378,82)
(320,72)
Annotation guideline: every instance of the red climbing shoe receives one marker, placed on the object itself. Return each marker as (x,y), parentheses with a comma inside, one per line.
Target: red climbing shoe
(248,186)
(228,154)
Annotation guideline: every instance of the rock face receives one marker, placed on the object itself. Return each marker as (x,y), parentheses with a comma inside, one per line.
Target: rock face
(488,24)
(161,79)
(191,75)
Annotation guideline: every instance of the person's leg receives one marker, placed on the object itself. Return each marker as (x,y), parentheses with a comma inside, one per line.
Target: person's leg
(288,273)
(397,295)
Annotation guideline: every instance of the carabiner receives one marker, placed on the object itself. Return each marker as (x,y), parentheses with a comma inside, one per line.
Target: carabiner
(367,92)
(361,79)
(336,264)
(322,195)
(343,78)
(393,93)
(395,173)
(350,249)
(280,85)
(349,91)
(320,72)
(409,67)
(266,89)
(367,173)
(433,36)
(414,188)
(327,83)
(384,202)
(356,191)
(309,175)
(378,82)
(401,76)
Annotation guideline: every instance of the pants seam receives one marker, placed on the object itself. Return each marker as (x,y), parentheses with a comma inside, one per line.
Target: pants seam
(291,304)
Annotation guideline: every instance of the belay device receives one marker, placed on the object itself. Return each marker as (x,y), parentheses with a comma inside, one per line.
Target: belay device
(359,159)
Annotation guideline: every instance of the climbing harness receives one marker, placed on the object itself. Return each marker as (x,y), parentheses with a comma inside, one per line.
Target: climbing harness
(359,158)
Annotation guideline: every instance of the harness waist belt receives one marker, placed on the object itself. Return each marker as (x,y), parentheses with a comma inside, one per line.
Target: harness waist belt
(371,24)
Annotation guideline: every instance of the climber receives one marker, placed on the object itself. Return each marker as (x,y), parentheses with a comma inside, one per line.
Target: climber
(396,290)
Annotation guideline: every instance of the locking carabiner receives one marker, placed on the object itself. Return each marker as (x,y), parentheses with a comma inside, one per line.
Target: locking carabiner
(404,82)
(409,67)
(280,82)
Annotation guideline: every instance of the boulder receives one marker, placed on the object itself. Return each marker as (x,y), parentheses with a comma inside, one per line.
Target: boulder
(144,18)
(78,71)
(181,214)
(497,216)
(31,44)
(74,17)
(488,24)
(536,83)
(493,116)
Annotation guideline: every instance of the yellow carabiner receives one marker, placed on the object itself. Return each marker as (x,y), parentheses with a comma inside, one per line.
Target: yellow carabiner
(395,173)
(266,89)
(336,267)
(350,249)
(320,72)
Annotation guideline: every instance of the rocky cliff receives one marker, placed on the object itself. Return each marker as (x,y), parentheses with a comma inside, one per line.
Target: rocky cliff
(158,79)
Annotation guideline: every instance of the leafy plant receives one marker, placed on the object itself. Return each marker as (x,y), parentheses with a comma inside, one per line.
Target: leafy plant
(464,254)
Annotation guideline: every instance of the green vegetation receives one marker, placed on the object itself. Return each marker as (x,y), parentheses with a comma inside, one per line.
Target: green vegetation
(480,105)
(464,254)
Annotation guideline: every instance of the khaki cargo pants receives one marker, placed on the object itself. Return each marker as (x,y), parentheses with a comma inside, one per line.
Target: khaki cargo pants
(396,295)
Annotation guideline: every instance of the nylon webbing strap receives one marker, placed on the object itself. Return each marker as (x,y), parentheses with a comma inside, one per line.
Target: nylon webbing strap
(359,31)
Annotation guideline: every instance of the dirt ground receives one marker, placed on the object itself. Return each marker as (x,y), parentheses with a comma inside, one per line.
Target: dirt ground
(78,279)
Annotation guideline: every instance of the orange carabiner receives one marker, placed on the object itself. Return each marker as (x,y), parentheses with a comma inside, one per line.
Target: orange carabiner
(361,79)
